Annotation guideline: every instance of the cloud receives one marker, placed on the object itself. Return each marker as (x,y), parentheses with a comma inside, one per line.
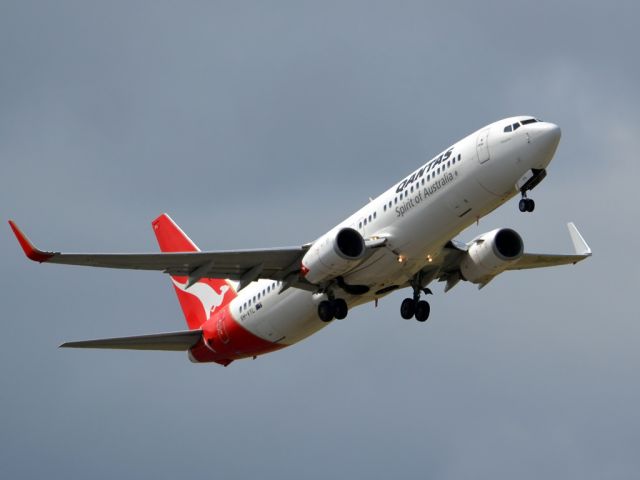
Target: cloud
(259,125)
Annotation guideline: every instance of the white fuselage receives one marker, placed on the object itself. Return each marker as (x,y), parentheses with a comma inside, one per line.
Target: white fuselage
(417,216)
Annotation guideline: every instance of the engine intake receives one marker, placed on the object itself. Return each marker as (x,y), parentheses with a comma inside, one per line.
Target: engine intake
(333,254)
(490,254)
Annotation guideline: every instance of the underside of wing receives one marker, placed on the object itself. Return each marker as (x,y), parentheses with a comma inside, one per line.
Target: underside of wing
(541,260)
(172,341)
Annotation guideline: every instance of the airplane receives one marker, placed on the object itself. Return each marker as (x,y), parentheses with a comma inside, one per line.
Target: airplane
(246,303)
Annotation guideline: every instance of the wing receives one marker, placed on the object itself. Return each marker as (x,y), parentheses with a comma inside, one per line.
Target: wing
(172,341)
(540,260)
(243,265)
(454,252)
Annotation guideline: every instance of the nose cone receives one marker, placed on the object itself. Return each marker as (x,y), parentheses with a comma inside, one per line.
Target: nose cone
(544,139)
(550,133)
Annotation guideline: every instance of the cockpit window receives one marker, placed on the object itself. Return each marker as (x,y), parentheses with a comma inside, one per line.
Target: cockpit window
(517,125)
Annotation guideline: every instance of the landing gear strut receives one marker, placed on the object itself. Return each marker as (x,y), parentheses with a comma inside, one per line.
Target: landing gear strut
(526,183)
(332,308)
(414,307)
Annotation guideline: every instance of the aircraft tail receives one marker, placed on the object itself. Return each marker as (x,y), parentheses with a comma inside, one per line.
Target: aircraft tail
(201,298)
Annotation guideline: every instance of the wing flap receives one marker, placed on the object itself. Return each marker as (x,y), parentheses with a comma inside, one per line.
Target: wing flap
(171,341)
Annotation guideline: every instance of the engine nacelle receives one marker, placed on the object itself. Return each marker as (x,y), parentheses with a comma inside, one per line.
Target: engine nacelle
(332,255)
(490,254)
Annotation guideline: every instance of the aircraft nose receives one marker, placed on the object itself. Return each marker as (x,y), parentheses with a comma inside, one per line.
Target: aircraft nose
(544,138)
(546,134)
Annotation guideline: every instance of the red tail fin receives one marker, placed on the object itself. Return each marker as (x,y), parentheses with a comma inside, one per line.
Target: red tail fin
(201,299)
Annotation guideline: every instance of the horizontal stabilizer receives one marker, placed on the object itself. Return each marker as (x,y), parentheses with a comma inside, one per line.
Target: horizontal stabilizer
(172,341)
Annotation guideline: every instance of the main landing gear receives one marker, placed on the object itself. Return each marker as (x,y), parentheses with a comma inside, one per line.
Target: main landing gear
(414,307)
(332,308)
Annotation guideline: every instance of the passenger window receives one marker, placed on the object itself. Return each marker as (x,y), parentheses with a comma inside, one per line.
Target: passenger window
(375,214)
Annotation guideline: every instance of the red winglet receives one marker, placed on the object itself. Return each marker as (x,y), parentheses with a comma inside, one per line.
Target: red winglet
(29,249)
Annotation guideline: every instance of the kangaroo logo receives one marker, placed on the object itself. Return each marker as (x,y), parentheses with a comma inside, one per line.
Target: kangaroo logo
(209,298)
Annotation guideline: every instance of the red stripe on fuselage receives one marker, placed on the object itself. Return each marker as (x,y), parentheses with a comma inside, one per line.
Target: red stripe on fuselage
(225,340)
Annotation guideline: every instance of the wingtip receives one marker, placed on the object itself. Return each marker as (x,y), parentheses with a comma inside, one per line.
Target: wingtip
(29,248)
(579,244)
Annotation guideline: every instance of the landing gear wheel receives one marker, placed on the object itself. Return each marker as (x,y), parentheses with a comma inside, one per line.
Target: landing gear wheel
(531,205)
(422,311)
(340,308)
(326,311)
(408,308)
(522,204)
(526,204)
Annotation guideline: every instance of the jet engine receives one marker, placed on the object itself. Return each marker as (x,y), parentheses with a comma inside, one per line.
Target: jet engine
(490,254)
(332,255)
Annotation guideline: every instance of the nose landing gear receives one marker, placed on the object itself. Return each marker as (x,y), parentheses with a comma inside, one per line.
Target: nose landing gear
(526,204)
(528,182)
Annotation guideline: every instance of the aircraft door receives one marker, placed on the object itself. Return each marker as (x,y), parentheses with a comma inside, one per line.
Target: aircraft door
(482,146)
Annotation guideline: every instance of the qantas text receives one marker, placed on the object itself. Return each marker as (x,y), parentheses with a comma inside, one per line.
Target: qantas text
(426,168)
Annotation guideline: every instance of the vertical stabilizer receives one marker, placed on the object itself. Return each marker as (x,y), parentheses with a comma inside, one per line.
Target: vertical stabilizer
(200,300)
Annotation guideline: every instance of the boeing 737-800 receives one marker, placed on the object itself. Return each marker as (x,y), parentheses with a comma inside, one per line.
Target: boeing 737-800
(241,304)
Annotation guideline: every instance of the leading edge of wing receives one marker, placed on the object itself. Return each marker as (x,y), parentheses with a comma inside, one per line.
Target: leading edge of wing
(170,341)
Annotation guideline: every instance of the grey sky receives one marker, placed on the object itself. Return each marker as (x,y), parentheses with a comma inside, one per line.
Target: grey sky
(264,124)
